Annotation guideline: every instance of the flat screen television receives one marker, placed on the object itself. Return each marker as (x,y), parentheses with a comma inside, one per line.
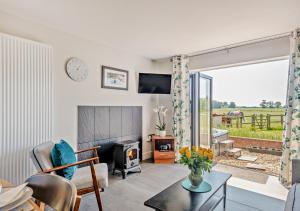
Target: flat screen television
(154,83)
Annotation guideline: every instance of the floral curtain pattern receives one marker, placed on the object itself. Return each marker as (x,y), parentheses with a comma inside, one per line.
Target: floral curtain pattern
(181,102)
(291,135)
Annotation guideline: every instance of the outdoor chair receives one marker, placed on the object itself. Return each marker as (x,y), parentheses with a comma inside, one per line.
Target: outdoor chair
(86,179)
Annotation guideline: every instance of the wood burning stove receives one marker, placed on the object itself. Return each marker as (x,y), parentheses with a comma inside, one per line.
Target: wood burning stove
(126,157)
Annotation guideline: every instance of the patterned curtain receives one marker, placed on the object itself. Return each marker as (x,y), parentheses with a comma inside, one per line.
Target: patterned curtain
(291,136)
(181,102)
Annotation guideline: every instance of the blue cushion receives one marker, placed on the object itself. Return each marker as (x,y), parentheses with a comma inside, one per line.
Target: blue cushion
(63,154)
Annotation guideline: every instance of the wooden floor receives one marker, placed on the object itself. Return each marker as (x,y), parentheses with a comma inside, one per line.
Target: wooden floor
(130,194)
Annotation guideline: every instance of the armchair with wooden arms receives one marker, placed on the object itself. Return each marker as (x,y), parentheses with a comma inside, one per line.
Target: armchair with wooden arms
(87,179)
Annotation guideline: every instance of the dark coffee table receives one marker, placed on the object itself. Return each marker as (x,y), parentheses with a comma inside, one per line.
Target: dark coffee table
(176,198)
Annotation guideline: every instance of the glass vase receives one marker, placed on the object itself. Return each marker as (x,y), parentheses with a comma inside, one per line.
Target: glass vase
(195,179)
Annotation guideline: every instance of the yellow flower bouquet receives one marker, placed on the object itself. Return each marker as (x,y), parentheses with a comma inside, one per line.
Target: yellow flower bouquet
(198,160)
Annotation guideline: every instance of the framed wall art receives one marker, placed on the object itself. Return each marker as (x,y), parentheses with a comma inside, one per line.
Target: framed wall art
(113,78)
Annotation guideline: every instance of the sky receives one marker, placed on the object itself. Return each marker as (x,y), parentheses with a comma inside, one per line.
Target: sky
(250,84)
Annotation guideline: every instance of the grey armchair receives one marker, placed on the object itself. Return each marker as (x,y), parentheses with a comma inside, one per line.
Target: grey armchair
(86,179)
(55,191)
(293,198)
(295,171)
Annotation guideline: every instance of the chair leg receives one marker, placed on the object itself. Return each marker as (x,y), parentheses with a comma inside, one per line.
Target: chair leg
(77,203)
(40,204)
(96,187)
(97,192)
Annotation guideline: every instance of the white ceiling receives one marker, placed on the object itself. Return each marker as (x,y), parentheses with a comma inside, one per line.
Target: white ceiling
(161,28)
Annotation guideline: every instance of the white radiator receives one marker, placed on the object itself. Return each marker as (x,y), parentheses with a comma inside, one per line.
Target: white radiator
(25,104)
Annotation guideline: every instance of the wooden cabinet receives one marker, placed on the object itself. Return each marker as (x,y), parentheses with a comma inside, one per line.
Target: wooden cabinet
(163,156)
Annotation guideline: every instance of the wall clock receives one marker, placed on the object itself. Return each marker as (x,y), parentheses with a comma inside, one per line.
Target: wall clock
(76,69)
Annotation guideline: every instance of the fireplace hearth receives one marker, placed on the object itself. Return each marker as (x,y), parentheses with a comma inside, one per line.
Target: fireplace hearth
(126,157)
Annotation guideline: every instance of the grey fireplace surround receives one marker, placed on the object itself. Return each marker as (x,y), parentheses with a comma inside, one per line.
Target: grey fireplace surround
(106,125)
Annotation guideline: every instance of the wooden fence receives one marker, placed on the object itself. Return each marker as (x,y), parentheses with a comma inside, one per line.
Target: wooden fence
(256,120)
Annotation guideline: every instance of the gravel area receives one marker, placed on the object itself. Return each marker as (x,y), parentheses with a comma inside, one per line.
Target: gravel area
(271,162)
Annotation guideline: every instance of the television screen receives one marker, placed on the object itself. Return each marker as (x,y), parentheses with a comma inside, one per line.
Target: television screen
(154,83)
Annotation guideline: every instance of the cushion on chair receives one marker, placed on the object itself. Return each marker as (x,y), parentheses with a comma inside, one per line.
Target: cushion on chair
(63,154)
(83,178)
(41,156)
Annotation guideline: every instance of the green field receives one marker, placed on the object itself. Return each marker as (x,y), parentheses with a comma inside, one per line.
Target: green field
(274,133)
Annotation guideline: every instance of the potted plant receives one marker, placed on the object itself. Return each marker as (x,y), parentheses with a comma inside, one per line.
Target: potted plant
(161,126)
(198,160)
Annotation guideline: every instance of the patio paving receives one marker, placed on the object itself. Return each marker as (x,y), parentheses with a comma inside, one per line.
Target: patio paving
(271,162)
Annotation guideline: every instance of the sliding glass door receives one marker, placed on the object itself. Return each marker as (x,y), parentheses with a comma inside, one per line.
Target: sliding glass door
(201,101)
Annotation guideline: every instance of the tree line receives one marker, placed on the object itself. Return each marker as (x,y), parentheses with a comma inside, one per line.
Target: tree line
(263,104)
(270,104)
(218,104)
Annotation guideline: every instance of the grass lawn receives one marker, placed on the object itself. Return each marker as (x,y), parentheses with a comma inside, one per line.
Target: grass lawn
(274,133)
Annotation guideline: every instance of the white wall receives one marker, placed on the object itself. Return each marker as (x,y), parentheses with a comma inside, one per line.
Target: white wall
(67,94)
(165,66)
